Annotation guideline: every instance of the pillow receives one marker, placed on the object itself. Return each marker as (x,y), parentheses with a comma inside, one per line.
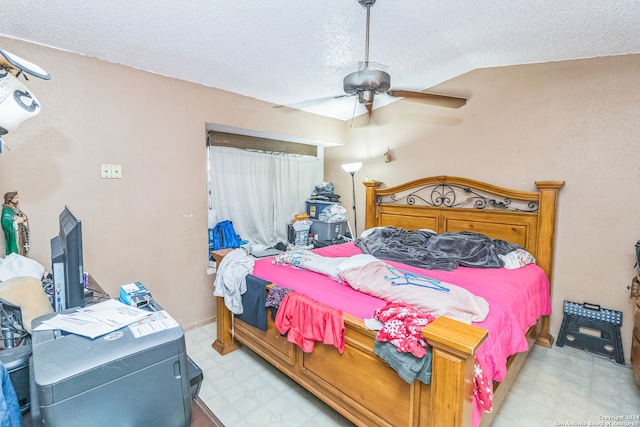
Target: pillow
(517,259)
(15,265)
(308,260)
(368,231)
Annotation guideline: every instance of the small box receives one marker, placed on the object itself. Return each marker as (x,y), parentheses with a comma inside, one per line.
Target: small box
(315,208)
(135,294)
(327,230)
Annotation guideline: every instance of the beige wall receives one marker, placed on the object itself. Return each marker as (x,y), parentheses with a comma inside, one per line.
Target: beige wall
(576,121)
(150,226)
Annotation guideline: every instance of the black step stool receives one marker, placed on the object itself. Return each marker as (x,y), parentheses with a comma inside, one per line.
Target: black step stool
(607,322)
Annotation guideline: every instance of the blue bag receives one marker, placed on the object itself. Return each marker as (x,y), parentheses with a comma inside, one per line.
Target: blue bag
(223,236)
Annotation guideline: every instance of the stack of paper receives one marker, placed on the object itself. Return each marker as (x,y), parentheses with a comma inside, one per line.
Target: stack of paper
(155,322)
(96,320)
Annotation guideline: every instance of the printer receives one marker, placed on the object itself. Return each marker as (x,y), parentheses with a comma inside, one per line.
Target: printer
(112,380)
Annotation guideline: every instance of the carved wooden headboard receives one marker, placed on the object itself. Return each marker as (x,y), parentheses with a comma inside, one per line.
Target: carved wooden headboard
(449,203)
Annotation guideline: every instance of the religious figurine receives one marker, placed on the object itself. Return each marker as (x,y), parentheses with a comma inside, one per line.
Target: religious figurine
(14,225)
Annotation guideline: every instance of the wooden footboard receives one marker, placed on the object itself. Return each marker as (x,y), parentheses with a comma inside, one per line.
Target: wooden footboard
(358,384)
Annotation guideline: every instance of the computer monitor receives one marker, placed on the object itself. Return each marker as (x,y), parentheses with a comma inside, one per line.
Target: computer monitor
(66,261)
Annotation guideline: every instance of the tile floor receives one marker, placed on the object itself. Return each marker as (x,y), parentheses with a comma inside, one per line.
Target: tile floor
(557,386)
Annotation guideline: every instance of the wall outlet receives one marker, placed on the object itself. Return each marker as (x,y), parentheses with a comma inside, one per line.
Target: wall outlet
(116,171)
(105,171)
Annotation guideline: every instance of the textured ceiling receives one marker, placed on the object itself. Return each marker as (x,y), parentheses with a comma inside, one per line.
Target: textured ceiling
(289,51)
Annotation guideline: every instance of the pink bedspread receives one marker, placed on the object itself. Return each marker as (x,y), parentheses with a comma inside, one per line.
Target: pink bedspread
(517,298)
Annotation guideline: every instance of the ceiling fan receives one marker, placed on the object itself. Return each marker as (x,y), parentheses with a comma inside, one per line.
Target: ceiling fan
(371,79)
(368,81)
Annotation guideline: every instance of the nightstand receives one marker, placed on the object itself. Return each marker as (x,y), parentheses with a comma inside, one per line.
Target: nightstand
(220,254)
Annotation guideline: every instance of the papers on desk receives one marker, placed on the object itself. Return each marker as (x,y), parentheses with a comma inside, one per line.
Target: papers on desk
(96,320)
(155,322)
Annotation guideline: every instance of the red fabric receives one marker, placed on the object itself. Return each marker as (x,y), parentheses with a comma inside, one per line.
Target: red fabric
(306,321)
(403,326)
(482,389)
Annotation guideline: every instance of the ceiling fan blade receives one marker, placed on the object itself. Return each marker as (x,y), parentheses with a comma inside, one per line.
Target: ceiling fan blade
(311,101)
(429,98)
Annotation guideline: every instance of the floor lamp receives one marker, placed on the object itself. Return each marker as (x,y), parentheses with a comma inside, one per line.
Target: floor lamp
(352,168)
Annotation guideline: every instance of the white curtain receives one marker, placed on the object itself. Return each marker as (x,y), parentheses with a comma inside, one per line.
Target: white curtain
(260,193)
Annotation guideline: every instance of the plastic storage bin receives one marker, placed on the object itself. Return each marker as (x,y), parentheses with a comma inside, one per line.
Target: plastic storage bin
(314,208)
(327,230)
(297,238)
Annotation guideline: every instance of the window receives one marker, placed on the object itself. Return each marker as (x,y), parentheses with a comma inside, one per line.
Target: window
(260,183)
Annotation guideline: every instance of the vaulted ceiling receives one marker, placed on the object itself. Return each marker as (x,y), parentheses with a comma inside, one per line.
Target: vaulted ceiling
(289,51)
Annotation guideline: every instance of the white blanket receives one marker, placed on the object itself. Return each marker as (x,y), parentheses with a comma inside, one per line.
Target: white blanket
(368,274)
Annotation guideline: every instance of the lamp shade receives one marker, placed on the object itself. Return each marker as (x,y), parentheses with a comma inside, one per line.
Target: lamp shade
(352,167)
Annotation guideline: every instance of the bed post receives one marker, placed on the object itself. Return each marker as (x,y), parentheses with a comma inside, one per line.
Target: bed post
(547,207)
(224,342)
(452,373)
(370,203)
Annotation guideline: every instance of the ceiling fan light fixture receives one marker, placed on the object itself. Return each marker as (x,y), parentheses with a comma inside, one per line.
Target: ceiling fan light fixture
(365,97)
(367,80)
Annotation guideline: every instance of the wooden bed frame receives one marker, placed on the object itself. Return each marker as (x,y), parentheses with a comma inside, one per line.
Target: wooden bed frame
(357,383)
